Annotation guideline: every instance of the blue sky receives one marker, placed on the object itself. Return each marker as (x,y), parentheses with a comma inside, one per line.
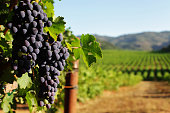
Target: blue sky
(114,17)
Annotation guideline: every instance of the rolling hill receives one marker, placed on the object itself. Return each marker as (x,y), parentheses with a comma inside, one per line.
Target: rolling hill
(147,41)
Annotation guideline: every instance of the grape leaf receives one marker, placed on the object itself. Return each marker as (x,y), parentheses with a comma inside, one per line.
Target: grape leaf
(24,81)
(6,102)
(31,100)
(75,42)
(68,46)
(77,52)
(51,33)
(91,49)
(49,9)
(58,25)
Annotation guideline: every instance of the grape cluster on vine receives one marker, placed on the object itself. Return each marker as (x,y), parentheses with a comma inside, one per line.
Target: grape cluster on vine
(32,46)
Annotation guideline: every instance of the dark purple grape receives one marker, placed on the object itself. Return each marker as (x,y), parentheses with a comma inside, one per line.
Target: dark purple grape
(34,13)
(39,37)
(24,49)
(49,87)
(34,31)
(55,89)
(49,52)
(56,71)
(26,25)
(30,49)
(57,56)
(56,64)
(41,16)
(48,77)
(51,68)
(34,56)
(27,43)
(14,30)
(34,24)
(48,106)
(29,5)
(33,39)
(52,93)
(51,82)
(52,88)
(51,102)
(42,80)
(59,37)
(30,18)
(52,98)
(41,103)
(22,14)
(24,31)
(37,51)
(66,55)
(46,83)
(9,25)
(47,68)
(49,94)
(15,8)
(55,84)
(45,19)
(49,23)
(48,73)
(28,12)
(15,67)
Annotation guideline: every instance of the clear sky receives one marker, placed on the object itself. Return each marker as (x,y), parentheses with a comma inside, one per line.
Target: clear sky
(114,17)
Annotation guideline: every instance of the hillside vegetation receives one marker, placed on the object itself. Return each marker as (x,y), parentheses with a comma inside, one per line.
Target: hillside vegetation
(147,41)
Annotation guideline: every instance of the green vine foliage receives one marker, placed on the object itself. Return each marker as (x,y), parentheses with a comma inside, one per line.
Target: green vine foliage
(25,91)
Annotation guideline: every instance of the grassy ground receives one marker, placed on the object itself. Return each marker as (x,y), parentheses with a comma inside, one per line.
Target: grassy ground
(146,97)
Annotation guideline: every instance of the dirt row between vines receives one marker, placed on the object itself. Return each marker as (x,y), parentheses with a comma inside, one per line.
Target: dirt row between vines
(145,97)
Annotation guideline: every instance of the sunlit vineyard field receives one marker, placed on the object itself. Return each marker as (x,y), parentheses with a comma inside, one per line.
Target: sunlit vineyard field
(122,68)
(148,64)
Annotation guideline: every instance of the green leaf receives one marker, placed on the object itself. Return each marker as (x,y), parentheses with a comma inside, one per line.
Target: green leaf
(90,49)
(31,100)
(24,81)
(89,43)
(5,47)
(75,42)
(6,102)
(49,9)
(77,52)
(58,25)
(51,33)
(68,46)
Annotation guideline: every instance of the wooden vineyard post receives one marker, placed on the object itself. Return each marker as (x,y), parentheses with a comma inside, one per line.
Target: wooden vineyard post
(71,89)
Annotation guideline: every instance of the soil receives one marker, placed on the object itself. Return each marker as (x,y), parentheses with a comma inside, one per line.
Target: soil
(145,97)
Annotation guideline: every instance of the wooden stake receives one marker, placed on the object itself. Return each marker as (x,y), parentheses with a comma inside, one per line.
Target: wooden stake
(71,89)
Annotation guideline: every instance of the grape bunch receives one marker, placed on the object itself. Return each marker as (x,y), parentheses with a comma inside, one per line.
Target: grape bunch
(51,61)
(27,27)
(32,46)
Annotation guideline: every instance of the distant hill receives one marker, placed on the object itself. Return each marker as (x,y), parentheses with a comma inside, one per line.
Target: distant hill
(105,44)
(140,41)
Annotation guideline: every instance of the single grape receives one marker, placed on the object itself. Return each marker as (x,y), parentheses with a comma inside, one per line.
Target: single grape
(22,14)
(41,103)
(24,49)
(42,80)
(59,37)
(48,106)
(9,25)
(34,13)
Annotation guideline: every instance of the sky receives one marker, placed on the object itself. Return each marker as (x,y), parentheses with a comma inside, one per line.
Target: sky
(114,17)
